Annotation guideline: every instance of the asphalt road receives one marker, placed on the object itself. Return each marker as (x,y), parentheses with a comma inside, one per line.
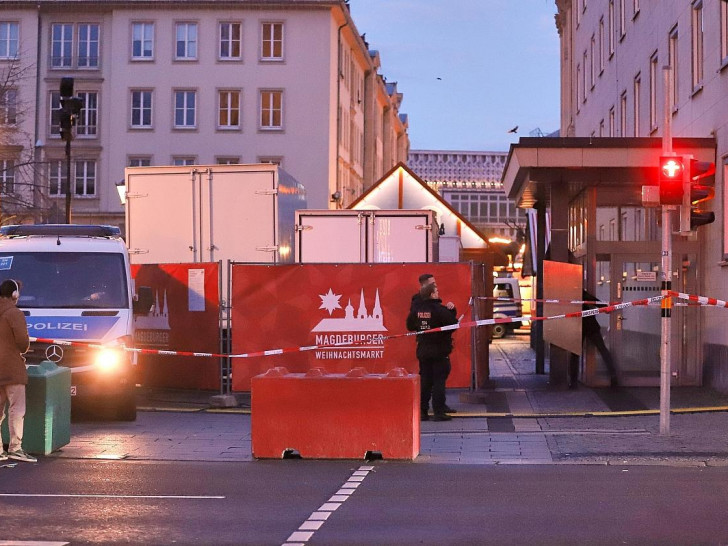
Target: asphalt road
(352,502)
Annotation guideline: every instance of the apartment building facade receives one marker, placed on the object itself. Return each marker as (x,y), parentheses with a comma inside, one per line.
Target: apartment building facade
(613,84)
(470,181)
(189,83)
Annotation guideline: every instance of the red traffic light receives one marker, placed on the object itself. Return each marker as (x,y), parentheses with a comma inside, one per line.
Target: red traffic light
(671,177)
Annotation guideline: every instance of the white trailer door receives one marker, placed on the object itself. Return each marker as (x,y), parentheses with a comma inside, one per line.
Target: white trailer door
(325,238)
(162,198)
(400,239)
(239,216)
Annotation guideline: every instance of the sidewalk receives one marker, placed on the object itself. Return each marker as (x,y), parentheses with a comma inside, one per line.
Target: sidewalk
(515,425)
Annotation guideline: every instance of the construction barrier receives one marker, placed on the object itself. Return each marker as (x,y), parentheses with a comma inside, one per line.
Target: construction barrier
(343,313)
(185,316)
(346,416)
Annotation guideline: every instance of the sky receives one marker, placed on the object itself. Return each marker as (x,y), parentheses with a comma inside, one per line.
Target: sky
(497,60)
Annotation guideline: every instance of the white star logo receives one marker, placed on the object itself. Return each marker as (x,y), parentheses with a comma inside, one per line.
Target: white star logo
(330,301)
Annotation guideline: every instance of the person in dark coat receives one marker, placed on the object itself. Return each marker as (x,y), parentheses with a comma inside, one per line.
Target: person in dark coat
(433,350)
(14,341)
(424,280)
(591,333)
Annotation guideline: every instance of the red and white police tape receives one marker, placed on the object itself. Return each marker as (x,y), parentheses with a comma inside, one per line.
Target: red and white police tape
(461,325)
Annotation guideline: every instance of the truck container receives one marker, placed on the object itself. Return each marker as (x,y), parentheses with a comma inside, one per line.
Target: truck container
(210,213)
(366,236)
(76,286)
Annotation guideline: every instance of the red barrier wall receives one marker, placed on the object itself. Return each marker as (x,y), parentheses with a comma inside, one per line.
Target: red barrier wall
(282,306)
(335,416)
(185,318)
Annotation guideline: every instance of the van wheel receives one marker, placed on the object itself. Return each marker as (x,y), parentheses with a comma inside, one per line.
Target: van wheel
(126,410)
(499,331)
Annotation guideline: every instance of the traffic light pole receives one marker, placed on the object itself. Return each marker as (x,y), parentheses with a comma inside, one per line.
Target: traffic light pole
(68,181)
(666,272)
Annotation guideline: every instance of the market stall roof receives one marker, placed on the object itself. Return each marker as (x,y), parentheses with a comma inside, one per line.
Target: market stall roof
(618,166)
(400,188)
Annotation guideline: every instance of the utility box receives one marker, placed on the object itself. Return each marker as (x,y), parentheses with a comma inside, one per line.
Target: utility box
(47,425)
(366,236)
(211,213)
(451,248)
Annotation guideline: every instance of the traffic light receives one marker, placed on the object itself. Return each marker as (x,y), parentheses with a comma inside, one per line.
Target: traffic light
(672,171)
(70,108)
(700,187)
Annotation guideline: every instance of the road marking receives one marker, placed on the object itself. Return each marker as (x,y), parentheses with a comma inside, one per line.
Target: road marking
(100,496)
(316,520)
(31,543)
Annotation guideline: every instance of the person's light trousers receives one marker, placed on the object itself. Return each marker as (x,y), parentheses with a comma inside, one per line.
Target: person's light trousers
(14,396)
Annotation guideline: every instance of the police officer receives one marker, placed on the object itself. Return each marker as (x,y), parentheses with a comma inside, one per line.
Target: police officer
(433,350)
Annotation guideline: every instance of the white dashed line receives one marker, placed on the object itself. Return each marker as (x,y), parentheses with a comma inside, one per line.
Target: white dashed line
(319,517)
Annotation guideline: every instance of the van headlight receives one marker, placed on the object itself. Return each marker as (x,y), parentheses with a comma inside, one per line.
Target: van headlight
(109,359)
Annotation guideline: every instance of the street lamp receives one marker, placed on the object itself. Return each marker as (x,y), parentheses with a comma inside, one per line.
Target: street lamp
(70,108)
(121,189)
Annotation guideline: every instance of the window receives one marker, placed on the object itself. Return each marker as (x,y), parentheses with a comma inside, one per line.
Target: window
(61,45)
(601,128)
(184,109)
(227,160)
(637,85)
(7,176)
(672,61)
(83,173)
(228,116)
(186,41)
(611,122)
(635,7)
(87,120)
(601,45)
(8,107)
(592,68)
(181,161)
(140,161)
(276,160)
(723,33)
(622,19)
(623,114)
(142,41)
(611,28)
(55,114)
(653,92)
(9,33)
(88,45)
(230,41)
(141,109)
(579,87)
(697,44)
(585,74)
(271,42)
(271,109)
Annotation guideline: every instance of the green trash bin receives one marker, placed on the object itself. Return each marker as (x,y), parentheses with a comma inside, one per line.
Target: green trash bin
(47,424)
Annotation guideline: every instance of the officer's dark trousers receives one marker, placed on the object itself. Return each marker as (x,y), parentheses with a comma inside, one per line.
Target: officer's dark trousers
(433,374)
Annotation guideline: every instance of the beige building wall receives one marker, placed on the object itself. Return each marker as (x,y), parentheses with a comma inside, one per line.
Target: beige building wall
(321,75)
(613,53)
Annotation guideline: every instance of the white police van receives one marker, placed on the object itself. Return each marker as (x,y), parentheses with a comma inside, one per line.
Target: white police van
(76,286)
(508,289)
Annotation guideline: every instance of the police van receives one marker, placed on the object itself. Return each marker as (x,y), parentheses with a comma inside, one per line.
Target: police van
(75,285)
(509,306)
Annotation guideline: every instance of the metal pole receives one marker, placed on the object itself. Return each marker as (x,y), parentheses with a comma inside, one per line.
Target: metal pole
(68,181)
(666,307)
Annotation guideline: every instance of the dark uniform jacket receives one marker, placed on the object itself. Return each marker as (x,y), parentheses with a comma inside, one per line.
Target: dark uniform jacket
(428,314)
(13,342)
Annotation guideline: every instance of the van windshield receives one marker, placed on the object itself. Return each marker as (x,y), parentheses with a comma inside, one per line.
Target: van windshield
(67,280)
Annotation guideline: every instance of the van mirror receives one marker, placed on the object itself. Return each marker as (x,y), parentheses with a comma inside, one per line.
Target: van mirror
(143,301)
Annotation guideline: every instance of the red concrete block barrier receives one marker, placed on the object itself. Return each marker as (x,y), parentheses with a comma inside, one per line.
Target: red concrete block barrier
(335,416)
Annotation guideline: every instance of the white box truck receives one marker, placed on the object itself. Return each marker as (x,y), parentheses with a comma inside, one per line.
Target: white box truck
(75,286)
(366,236)
(210,213)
